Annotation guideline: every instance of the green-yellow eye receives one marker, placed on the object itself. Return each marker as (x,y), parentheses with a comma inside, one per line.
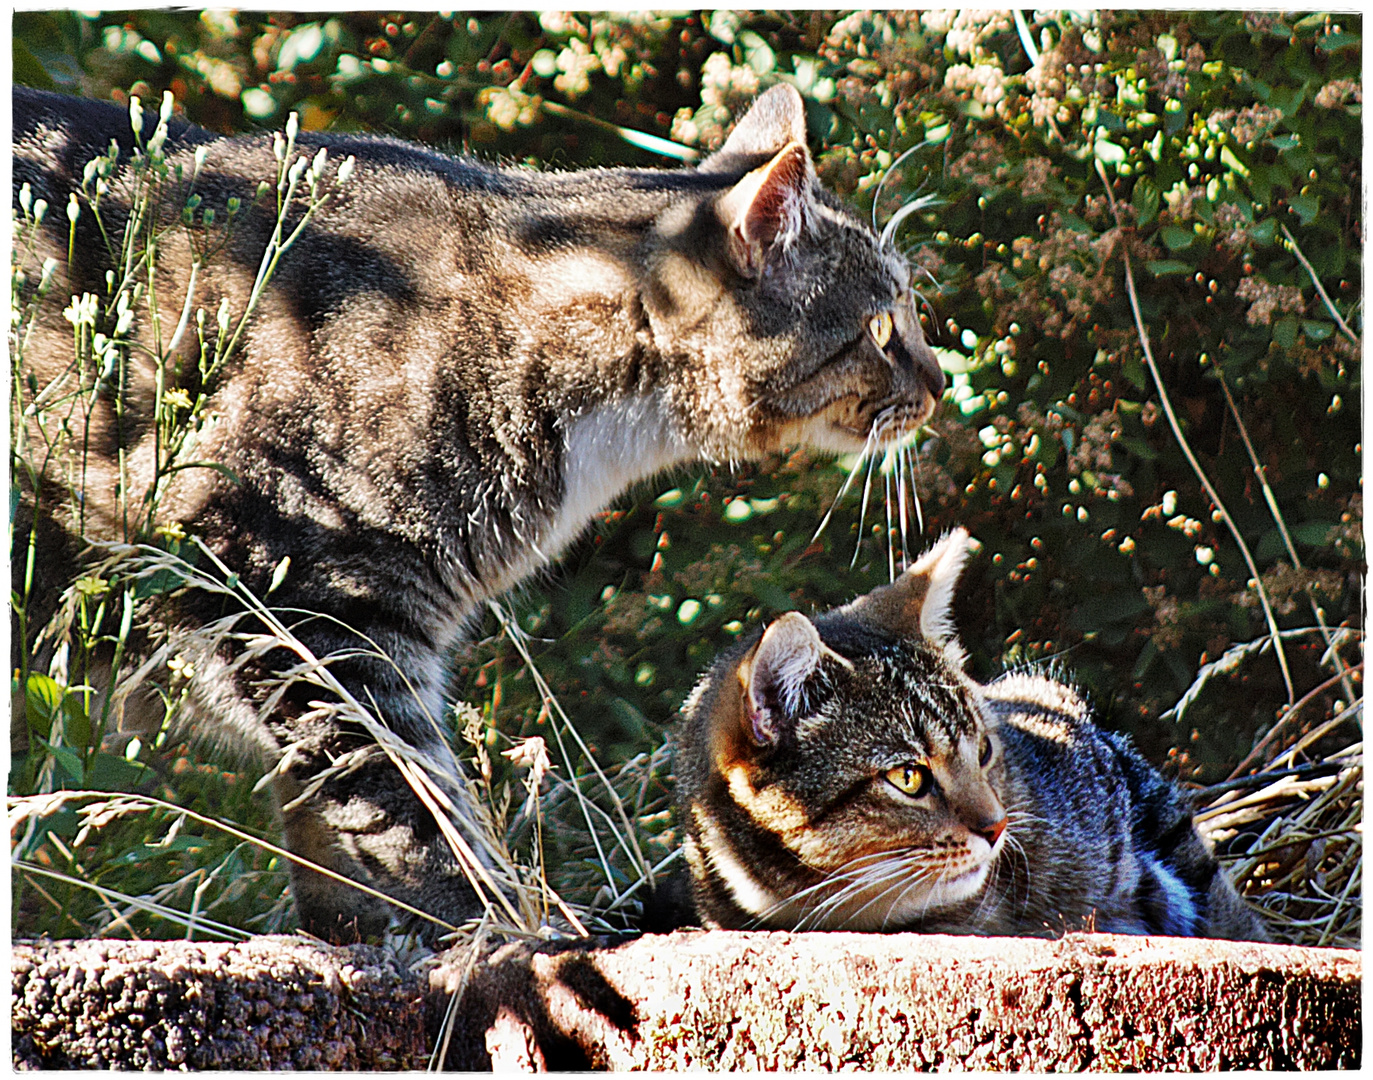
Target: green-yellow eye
(914,778)
(880,327)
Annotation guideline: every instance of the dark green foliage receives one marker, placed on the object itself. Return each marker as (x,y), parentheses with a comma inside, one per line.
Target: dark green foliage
(1233,145)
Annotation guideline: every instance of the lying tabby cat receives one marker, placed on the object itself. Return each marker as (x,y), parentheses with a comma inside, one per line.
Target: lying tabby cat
(845,774)
(453,370)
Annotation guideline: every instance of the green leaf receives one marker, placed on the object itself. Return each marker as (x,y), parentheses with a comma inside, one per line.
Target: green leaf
(1306,206)
(76,725)
(157,583)
(1164,267)
(1313,533)
(109,772)
(1336,42)
(1264,232)
(1176,238)
(27,70)
(1316,330)
(1112,608)
(42,699)
(1145,199)
(1285,333)
(1138,447)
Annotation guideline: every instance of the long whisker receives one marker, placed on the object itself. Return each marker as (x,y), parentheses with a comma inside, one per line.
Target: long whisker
(918,880)
(890,873)
(863,510)
(841,885)
(901,502)
(913,464)
(848,482)
(800,896)
(891,554)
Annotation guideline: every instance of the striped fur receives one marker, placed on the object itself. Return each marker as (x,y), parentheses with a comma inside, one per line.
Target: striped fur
(455,367)
(1035,821)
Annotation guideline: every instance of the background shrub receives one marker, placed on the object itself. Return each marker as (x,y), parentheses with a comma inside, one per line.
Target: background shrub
(1217,153)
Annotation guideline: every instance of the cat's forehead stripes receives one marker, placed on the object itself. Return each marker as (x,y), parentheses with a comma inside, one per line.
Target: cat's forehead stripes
(926,699)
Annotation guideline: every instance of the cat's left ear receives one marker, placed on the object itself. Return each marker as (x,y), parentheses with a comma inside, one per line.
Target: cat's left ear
(765,211)
(773,675)
(918,603)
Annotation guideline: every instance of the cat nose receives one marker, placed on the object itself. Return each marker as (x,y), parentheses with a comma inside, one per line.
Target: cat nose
(991,831)
(926,364)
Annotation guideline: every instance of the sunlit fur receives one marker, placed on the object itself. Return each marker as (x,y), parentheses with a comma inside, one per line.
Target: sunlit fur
(793,823)
(454,367)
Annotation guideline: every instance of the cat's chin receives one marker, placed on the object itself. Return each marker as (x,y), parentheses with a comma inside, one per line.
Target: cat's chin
(830,437)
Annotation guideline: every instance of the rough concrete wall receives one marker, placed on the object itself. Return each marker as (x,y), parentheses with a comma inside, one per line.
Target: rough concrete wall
(695,1001)
(268,1003)
(830,1001)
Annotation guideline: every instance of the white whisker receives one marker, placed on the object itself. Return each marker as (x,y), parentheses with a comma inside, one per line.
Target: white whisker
(913,462)
(863,510)
(891,554)
(901,502)
(844,490)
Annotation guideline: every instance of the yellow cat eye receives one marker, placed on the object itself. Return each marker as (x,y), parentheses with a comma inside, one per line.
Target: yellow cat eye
(984,753)
(914,778)
(880,327)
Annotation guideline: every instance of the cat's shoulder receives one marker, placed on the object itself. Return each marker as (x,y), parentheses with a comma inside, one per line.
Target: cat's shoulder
(1039,704)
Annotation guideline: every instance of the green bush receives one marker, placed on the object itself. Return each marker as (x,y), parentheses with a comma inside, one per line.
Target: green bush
(1040,175)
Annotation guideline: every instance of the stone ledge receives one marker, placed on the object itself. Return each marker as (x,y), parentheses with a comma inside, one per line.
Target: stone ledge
(267,1003)
(775,1001)
(694,1000)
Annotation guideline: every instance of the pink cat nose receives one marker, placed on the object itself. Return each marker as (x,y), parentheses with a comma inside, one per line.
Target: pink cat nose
(992,832)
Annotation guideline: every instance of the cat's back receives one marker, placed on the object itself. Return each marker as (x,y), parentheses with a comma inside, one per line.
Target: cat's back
(56,135)
(1109,824)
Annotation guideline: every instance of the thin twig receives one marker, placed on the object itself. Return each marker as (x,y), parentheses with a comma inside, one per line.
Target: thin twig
(1282,722)
(1211,492)
(1272,501)
(1316,281)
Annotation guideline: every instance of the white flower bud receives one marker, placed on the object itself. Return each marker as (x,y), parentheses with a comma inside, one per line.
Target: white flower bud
(136,115)
(346,169)
(167,101)
(73,208)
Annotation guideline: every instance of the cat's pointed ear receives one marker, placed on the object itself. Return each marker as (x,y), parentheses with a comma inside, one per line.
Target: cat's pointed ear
(766,210)
(918,603)
(776,120)
(774,673)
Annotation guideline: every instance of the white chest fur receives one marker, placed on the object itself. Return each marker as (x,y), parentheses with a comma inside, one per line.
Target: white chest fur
(607,449)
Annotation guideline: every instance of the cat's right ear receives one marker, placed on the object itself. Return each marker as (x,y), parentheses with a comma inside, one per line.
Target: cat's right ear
(776,120)
(773,676)
(766,210)
(918,603)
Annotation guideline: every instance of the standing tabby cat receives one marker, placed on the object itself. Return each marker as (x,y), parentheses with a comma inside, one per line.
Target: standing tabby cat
(452,371)
(845,774)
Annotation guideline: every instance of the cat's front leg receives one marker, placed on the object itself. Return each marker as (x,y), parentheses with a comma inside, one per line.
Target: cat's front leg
(347,808)
(365,825)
